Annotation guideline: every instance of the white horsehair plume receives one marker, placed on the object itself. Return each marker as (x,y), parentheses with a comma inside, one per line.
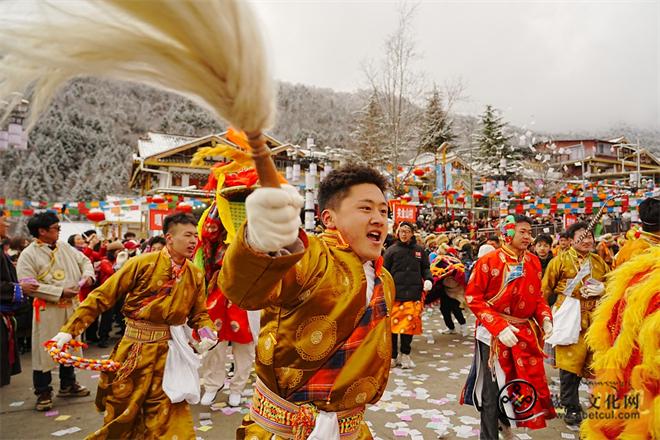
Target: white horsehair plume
(211,51)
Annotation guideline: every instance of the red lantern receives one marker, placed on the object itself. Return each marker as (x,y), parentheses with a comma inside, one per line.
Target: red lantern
(95,215)
(406,197)
(184,207)
(460,199)
(28,212)
(158,199)
(477,195)
(418,172)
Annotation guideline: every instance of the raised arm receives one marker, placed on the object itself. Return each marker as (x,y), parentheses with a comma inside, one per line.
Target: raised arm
(254,280)
(103,297)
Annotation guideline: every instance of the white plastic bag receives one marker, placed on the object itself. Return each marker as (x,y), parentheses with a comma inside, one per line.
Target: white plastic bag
(181,379)
(254,320)
(566,323)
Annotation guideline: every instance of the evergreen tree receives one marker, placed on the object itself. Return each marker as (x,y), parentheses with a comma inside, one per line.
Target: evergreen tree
(436,126)
(368,135)
(496,157)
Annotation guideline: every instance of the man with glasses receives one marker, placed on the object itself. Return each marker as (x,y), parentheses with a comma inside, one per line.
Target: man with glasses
(59,271)
(576,276)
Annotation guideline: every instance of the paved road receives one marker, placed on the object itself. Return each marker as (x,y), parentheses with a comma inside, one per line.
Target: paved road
(420,403)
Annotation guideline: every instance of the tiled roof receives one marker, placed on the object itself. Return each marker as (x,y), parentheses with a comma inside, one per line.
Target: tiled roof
(158,143)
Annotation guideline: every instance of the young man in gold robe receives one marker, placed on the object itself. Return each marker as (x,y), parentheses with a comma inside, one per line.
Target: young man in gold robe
(580,274)
(324,347)
(625,340)
(161,291)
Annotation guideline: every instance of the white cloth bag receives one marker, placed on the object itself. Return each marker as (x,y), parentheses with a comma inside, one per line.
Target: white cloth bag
(567,323)
(326,427)
(181,379)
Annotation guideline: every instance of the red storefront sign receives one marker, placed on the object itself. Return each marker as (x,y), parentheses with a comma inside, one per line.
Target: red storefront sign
(156,217)
(404,213)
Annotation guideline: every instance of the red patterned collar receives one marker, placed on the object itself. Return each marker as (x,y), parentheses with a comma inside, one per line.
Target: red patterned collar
(510,254)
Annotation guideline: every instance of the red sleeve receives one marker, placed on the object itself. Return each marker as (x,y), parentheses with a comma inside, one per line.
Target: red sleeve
(93,255)
(475,295)
(105,271)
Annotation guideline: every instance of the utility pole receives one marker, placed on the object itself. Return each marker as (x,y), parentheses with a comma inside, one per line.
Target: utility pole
(310,186)
(584,186)
(639,171)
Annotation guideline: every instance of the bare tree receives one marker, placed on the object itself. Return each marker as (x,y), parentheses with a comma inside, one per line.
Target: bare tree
(397,88)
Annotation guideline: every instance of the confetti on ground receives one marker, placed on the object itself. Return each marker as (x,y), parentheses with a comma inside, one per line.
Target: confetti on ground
(17,403)
(204,428)
(468,420)
(567,435)
(523,436)
(62,418)
(229,411)
(204,416)
(52,413)
(206,422)
(67,431)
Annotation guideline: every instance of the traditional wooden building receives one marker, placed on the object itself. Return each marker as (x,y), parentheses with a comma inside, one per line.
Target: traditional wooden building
(163,162)
(598,159)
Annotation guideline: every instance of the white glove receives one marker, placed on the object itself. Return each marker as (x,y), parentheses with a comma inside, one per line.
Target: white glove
(592,289)
(273,218)
(508,337)
(428,285)
(547,328)
(62,338)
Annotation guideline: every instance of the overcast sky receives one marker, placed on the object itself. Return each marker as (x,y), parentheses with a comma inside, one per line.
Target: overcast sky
(552,66)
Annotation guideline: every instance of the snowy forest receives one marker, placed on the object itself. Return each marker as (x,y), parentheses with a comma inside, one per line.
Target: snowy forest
(82,147)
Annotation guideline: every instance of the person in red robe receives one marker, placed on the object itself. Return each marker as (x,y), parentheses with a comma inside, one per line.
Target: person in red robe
(231,322)
(507,381)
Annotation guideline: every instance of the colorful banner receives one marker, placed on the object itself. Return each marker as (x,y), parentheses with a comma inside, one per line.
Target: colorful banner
(404,213)
(27,208)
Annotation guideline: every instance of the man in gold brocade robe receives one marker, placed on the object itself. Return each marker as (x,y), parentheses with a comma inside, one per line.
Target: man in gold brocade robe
(324,347)
(160,290)
(576,273)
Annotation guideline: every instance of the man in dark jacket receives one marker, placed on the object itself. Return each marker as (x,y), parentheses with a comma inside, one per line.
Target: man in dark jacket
(409,265)
(12,296)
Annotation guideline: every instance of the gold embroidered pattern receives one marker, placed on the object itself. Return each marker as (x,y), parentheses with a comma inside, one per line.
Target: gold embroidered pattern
(384,347)
(122,389)
(487,317)
(316,337)
(288,378)
(360,392)
(265,349)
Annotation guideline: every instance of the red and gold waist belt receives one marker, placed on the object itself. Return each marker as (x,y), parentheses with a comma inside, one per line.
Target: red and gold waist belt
(286,419)
(513,319)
